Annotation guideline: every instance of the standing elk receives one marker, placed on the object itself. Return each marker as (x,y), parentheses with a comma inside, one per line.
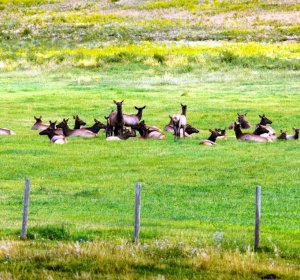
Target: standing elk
(116,120)
(134,119)
(179,122)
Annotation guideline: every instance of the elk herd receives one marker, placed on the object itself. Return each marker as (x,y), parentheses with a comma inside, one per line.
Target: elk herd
(121,126)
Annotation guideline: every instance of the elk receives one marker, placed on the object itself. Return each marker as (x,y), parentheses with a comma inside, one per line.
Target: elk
(68,132)
(127,134)
(295,136)
(221,133)
(95,128)
(6,131)
(264,121)
(78,122)
(246,136)
(58,131)
(148,131)
(54,138)
(211,139)
(242,121)
(38,125)
(116,120)
(179,122)
(132,119)
(261,130)
(188,131)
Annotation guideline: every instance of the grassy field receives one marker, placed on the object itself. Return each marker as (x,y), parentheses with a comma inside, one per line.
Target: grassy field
(59,58)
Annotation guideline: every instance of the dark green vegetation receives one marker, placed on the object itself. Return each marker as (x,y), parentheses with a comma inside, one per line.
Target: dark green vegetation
(58,59)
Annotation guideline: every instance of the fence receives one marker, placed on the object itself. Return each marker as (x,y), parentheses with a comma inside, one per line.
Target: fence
(137,214)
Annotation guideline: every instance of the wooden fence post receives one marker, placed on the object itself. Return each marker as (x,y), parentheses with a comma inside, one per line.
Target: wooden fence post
(257,217)
(137,213)
(25,209)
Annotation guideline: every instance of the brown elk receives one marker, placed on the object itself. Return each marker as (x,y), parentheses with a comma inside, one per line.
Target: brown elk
(148,131)
(264,121)
(95,128)
(221,133)
(6,131)
(78,122)
(242,121)
(127,134)
(212,138)
(116,120)
(134,119)
(58,131)
(54,138)
(38,125)
(246,136)
(295,136)
(68,132)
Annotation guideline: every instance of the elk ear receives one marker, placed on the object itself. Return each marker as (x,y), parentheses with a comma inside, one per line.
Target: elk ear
(144,107)
(170,117)
(136,108)
(210,130)
(260,116)
(122,101)
(115,102)
(74,117)
(95,120)
(67,120)
(246,114)
(35,118)
(238,114)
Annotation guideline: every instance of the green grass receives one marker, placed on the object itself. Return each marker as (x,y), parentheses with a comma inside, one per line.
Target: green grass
(85,189)
(59,58)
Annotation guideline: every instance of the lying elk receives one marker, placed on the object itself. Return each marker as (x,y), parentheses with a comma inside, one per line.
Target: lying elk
(221,133)
(242,121)
(148,131)
(6,131)
(127,134)
(58,131)
(295,136)
(95,128)
(211,139)
(68,132)
(116,120)
(179,122)
(38,125)
(131,120)
(246,136)
(78,122)
(264,121)
(261,130)
(54,138)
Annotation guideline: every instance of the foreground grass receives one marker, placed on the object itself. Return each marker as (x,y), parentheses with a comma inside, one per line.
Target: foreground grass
(158,260)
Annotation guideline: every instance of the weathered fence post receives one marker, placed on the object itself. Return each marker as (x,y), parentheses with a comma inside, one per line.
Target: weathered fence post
(137,213)
(25,209)
(257,217)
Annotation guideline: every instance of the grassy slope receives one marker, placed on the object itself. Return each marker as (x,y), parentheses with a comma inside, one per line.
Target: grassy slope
(201,196)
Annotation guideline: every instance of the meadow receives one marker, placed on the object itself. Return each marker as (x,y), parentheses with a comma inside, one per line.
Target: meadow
(197,202)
